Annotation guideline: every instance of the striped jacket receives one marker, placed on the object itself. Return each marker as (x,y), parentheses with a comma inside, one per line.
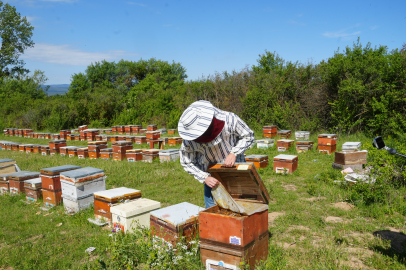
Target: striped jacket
(235,138)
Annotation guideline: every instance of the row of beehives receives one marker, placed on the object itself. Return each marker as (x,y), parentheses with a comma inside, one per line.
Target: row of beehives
(226,237)
(327,143)
(271,131)
(84,134)
(121,150)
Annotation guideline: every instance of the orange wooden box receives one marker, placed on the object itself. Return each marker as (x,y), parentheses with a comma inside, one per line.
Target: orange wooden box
(33,194)
(127,130)
(15,147)
(57,144)
(270,135)
(328,149)
(151,127)
(73,152)
(36,149)
(153,135)
(171,131)
(285,163)
(233,239)
(16,186)
(284,134)
(52,197)
(83,153)
(120,130)
(175,141)
(121,148)
(50,177)
(260,161)
(140,139)
(327,139)
(284,145)
(270,129)
(134,155)
(119,156)
(94,155)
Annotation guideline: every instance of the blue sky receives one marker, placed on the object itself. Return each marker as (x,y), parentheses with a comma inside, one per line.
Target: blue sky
(204,36)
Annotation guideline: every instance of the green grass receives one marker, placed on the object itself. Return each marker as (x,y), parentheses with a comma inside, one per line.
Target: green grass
(301,235)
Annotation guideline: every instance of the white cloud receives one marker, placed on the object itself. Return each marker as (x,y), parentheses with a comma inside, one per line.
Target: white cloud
(295,22)
(138,4)
(340,34)
(68,55)
(373,27)
(31,19)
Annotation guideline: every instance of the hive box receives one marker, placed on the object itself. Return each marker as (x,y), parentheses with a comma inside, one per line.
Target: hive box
(130,215)
(16,180)
(172,131)
(351,158)
(302,135)
(285,163)
(63,151)
(285,134)
(33,189)
(303,146)
(82,127)
(265,143)
(327,139)
(56,144)
(234,238)
(153,135)
(174,222)
(151,127)
(36,149)
(15,147)
(127,130)
(51,176)
(7,166)
(260,161)
(175,141)
(169,155)
(4,185)
(121,146)
(78,187)
(328,149)
(134,155)
(269,131)
(82,152)
(96,146)
(148,155)
(135,129)
(352,146)
(104,200)
(106,153)
(140,139)
(284,144)
(44,150)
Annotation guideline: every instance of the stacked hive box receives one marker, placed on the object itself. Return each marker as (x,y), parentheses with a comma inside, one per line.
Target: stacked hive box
(130,215)
(302,135)
(172,131)
(285,163)
(148,155)
(55,145)
(78,187)
(15,147)
(152,127)
(33,189)
(63,151)
(16,180)
(327,143)
(232,237)
(120,129)
(260,161)
(140,139)
(175,222)
(83,153)
(73,151)
(265,143)
(162,131)
(91,134)
(36,148)
(45,150)
(120,148)
(7,166)
(135,129)
(64,134)
(127,130)
(106,153)
(284,144)
(285,134)
(104,200)
(270,131)
(51,183)
(134,155)
(175,141)
(169,155)
(4,185)
(95,147)
(304,146)
(84,127)
(350,159)
(352,146)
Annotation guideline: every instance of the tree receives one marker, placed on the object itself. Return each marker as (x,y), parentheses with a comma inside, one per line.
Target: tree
(15,34)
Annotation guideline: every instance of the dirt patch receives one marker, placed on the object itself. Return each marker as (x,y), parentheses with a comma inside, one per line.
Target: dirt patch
(32,239)
(359,236)
(274,215)
(360,252)
(355,263)
(286,245)
(334,219)
(290,187)
(313,199)
(344,206)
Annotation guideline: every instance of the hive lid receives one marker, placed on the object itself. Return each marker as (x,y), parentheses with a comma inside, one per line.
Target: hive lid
(3,177)
(44,146)
(327,135)
(285,140)
(23,175)
(134,151)
(83,172)
(136,207)
(59,169)
(152,125)
(91,130)
(269,126)
(302,132)
(57,141)
(304,142)
(96,143)
(122,143)
(106,150)
(256,157)
(150,151)
(356,144)
(242,181)
(69,147)
(287,157)
(116,192)
(178,214)
(33,181)
(169,152)
(284,131)
(266,141)
(7,161)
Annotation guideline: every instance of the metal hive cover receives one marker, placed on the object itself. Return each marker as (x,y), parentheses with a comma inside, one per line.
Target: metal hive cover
(33,181)
(178,214)
(83,172)
(24,174)
(61,168)
(266,141)
(5,160)
(256,156)
(288,157)
(106,150)
(284,140)
(116,192)
(169,151)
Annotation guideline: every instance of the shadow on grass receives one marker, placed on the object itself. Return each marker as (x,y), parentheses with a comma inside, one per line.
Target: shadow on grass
(397,249)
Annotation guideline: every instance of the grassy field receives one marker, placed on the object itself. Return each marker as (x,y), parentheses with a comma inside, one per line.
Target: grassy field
(313,224)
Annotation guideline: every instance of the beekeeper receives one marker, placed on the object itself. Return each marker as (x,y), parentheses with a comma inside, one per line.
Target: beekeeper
(211,136)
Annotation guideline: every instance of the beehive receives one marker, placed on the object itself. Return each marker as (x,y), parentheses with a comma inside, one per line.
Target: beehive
(169,155)
(260,161)
(284,144)
(304,146)
(285,163)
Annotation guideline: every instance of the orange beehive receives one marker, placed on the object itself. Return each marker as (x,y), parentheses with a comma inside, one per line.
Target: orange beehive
(151,127)
(285,163)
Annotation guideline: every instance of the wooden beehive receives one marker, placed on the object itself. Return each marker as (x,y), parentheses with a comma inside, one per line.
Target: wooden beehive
(106,153)
(127,129)
(172,131)
(135,129)
(33,190)
(96,146)
(270,131)
(304,146)
(260,161)
(15,147)
(122,146)
(148,155)
(16,180)
(285,163)
(153,135)
(83,153)
(175,141)
(120,130)
(51,176)
(134,155)
(44,150)
(351,158)
(152,127)
(327,139)
(175,222)
(232,237)
(36,148)
(327,149)
(140,139)
(52,197)
(103,200)
(285,134)
(284,144)
(73,151)
(169,155)
(56,144)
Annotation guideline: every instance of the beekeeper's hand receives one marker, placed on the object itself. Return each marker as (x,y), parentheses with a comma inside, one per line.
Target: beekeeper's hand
(211,181)
(230,160)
